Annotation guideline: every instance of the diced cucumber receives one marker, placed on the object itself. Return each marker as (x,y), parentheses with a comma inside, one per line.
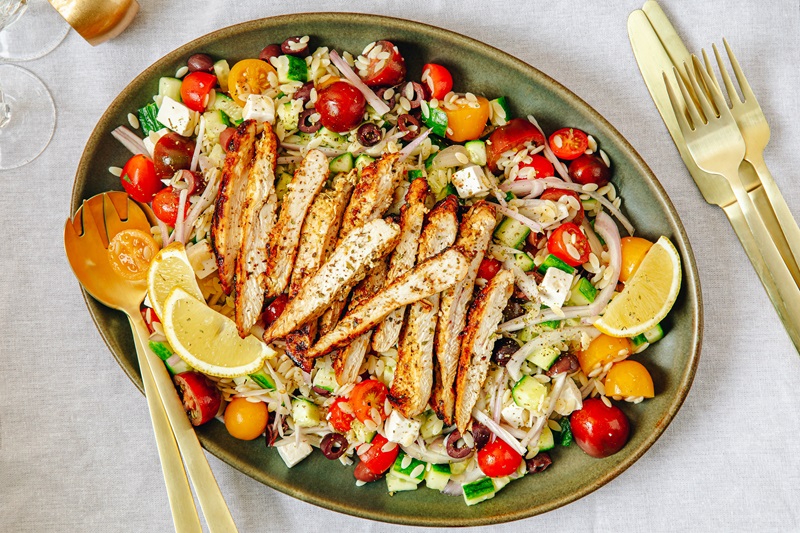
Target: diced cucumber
(161,349)
(395,483)
(583,293)
(479,491)
(263,379)
(437,181)
(650,336)
(435,119)
(589,204)
(222,70)
(360,432)
(476,150)
(566,432)
(414,174)
(546,440)
(554,262)
(528,334)
(325,378)
(291,68)
(529,393)
(226,104)
(500,482)
(363,160)
(458,468)
(437,476)
(170,87)
(524,261)
(550,325)
(176,365)
(406,473)
(282,185)
(334,140)
(148,120)
(429,162)
(500,111)
(305,413)
(216,122)
(431,425)
(447,191)
(544,357)
(289,114)
(342,163)
(512,233)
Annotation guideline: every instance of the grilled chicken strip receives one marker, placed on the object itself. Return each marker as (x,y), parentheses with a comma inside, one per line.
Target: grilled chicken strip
(476,349)
(347,265)
(284,238)
(317,241)
(347,361)
(371,199)
(474,236)
(424,280)
(258,218)
(411,387)
(412,215)
(226,228)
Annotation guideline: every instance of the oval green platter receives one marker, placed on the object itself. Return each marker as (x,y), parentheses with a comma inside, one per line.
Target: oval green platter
(480,69)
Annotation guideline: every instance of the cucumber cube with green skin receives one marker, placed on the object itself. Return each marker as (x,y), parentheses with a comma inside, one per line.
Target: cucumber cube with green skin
(550,325)
(524,261)
(291,68)
(225,103)
(479,491)
(360,432)
(500,482)
(500,111)
(544,357)
(583,293)
(305,413)
(412,468)
(222,70)
(395,483)
(216,122)
(263,379)
(148,120)
(552,261)
(437,476)
(435,119)
(362,161)
(512,233)
(458,468)
(325,378)
(170,87)
(176,365)
(282,185)
(414,174)
(476,150)
(566,432)
(161,349)
(546,440)
(342,163)
(335,140)
(529,393)
(650,336)
(447,191)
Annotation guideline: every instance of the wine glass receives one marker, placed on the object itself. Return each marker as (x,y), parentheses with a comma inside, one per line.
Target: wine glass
(29,29)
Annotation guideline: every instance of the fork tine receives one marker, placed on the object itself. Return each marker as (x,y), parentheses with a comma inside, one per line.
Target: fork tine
(676,106)
(719,100)
(111,217)
(709,68)
(726,77)
(747,92)
(697,120)
(702,98)
(92,232)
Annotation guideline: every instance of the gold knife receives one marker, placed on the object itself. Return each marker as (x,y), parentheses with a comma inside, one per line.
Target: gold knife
(653,60)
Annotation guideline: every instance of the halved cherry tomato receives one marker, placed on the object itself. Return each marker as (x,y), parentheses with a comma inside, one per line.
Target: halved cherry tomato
(384,72)
(248,76)
(542,168)
(367,395)
(375,459)
(139,179)
(468,120)
(566,234)
(601,351)
(246,420)
(340,106)
(171,153)
(166,204)
(569,143)
(498,459)
(512,136)
(362,473)
(201,398)
(629,378)
(275,309)
(437,79)
(554,195)
(589,168)
(130,252)
(488,268)
(195,90)
(599,430)
(633,251)
(340,420)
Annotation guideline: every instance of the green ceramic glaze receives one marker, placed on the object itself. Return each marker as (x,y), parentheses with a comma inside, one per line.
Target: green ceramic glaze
(482,70)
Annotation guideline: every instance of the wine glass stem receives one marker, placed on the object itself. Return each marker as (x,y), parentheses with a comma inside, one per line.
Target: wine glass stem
(5,109)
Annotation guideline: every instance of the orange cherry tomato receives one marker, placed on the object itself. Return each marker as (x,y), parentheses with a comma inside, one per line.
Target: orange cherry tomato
(330,80)
(367,395)
(130,253)
(569,143)
(629,378)
(246,420)
(633,251)
(248,76)
(602,351)
(467,121)
(437,79)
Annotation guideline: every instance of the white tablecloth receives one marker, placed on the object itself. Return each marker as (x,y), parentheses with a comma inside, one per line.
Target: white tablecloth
(76,445)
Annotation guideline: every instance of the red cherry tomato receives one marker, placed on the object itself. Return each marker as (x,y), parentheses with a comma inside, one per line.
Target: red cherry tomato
(569,143)
(375,459)
(367,395)
(165,206)
(599,430)
(195,90)
(589,168)
(275,309)
(201,398)
(383,72)
(362,473)
(563,235)
(437,79)
(498,459)
(488,268)
(542,168)
(139,179)
(512,136)
(172,152)
(340,420)
(340,106)
(554,194)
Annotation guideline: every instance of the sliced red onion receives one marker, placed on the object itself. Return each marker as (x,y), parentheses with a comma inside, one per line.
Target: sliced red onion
(536,430)
(497,404)
(179,236)
(377,104)
(594,242)
(558,184)
(452,156)
(206,199)
(410,147)
(560,167)
(162,227)
(183,179)
(533,225)
(525,283)
(201,133)
(453,488)
(130,140)
(501,433)
(527,188)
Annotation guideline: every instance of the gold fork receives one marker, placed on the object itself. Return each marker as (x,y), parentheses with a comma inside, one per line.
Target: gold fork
(717,147)
(86,239)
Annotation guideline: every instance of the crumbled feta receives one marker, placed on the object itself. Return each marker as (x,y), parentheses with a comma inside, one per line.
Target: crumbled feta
(292,452)
(470,181)
(202,258)
(554,288)
(515,415)
(401,430)
(259,108)
(569,400)
(177,117)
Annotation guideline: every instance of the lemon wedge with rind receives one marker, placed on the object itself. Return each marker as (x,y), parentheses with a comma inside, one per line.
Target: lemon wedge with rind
(170,268)
(648,296)
(209,341)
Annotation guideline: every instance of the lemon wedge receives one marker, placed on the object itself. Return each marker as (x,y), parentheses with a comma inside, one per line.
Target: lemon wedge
(170,268)
(648,295)
(209,341)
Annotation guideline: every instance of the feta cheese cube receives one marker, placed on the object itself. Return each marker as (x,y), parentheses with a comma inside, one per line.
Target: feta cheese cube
(515,415)
(401,430)
(554,288)
(177,117)
(471,181)
(570,399)
(292,453)
(202,258)
(259,108)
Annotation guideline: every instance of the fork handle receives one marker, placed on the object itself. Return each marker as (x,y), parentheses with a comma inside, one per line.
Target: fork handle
(216,512)
(181,502)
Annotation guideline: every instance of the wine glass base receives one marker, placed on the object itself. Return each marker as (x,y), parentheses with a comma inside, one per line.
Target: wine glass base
(35,34)
(32,120)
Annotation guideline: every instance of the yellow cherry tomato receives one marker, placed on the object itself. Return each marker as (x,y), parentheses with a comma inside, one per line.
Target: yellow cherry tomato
(330,80)
(468,119)
(248,76)
(602,351)
(633,251)
(629,378)
(246,420)
(130,253)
